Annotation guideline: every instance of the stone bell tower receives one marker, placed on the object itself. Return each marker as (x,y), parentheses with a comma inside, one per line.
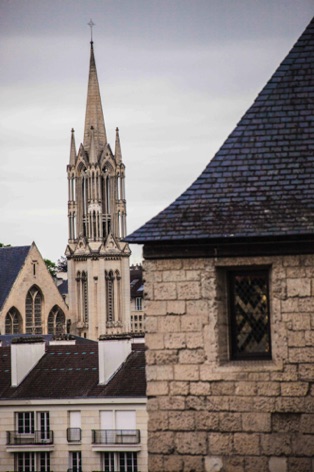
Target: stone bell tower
(98,260)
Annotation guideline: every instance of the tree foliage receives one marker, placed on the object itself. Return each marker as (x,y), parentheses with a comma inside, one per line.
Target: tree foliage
(62,264)
(51,266)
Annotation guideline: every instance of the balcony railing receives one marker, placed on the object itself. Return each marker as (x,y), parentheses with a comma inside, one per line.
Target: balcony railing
(116,436)
(14,438)
(74,434)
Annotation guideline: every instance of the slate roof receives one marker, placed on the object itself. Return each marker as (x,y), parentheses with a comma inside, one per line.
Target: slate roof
(71,371)
(63,287)
(261,181)
(136,281)
(11,262)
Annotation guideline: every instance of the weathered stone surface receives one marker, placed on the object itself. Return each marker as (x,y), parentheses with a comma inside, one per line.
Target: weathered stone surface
(213,464)
(191,443)
(161,442)
(251,416)
(277,464)
(173,463)
(256,422)
(299,287)
(285,422)
(181,420)
(188,290)
(276,444)
(244,442)
(297,464)
(220,443)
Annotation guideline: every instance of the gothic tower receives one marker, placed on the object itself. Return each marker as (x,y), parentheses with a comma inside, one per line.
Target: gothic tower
(98,260)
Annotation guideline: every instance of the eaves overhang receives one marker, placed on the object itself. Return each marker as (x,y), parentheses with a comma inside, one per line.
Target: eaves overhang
(294,244)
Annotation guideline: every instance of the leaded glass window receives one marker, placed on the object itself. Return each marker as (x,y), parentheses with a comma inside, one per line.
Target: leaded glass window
(249,314)
(56,321)
(13,322)
(33,311)
(110,296)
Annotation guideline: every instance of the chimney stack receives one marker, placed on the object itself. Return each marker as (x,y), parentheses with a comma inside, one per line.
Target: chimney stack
(25,353)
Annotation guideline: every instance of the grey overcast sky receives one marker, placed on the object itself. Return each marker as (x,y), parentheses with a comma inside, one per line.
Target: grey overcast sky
(175,76)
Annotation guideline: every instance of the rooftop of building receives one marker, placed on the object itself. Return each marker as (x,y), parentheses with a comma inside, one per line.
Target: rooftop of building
(136,281)
(12,260)
(261,181)
(71,371)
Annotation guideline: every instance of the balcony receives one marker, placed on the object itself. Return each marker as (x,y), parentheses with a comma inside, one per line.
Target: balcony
(14,438)
(116,436)
(74,434)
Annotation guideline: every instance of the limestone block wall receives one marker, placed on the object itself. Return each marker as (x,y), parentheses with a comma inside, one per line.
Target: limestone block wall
(207,413)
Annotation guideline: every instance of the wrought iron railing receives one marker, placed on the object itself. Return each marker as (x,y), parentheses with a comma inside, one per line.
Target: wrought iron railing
(14,438)
(116,436)
(74,434)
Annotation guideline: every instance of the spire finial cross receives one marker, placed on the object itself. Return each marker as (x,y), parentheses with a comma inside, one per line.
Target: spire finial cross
(91,24)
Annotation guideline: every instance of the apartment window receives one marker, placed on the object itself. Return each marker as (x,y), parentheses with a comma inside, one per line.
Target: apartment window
(32,461)
(138,304)
(74,431)
(75,461)
(249,314)
(122,461)
(26,422)
(44,423)
(33,305)
(25,462)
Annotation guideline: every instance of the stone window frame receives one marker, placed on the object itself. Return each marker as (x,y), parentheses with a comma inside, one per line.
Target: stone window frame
(223,314)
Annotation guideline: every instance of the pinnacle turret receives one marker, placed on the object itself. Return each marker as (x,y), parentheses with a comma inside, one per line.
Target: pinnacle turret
(118,153)
(72,149)
(92,150)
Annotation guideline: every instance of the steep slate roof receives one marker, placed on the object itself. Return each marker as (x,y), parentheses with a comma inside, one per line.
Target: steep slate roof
(11,262)
(71,371)
(136,281)
(261,181)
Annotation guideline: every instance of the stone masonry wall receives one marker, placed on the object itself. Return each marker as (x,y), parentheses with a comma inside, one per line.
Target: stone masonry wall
(207,413)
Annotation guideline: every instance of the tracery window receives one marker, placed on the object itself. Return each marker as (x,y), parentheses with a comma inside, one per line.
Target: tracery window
(33,309)
(82,295)
(109,296)
(13,322)
(56,321)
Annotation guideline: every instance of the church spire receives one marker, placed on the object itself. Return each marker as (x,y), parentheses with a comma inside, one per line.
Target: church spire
(72,149)
(94,115)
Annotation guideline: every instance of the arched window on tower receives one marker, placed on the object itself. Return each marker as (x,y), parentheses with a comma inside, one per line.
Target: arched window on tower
(33,310)
(106,203)
(84,297)
(56,321)
(109,297)
(13,322)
